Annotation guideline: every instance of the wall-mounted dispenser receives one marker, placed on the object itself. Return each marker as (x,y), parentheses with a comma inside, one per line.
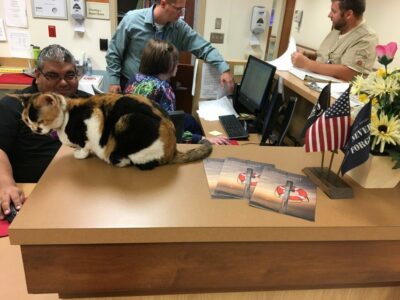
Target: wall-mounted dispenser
(258,20)
(298,15)
(77,9)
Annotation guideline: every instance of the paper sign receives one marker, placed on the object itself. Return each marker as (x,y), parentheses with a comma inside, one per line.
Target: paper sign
(209,82)
(97,10)
(3,36)
(16,13)
(19,42)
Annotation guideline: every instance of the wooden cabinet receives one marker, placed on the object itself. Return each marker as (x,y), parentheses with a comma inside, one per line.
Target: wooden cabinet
(182,84)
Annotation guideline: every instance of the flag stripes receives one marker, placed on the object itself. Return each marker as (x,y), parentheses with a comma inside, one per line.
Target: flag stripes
(327,134)
(331,130)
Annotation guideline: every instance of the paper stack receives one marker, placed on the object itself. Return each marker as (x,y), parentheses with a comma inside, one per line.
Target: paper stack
(87,81)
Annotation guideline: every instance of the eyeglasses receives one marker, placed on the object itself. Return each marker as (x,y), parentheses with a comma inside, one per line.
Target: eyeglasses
(55,77)
(178,9)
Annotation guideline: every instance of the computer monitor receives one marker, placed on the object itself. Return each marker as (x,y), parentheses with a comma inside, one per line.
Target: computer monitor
(255,86)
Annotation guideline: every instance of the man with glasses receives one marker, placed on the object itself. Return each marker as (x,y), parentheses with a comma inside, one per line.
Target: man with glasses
(161,21)
(24,155)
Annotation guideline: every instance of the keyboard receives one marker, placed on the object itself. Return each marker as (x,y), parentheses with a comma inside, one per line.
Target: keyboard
(233,128)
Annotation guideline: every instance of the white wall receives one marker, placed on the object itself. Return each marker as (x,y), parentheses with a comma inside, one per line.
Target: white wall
(66,37)
(236,16)
(315,24)
(381,15)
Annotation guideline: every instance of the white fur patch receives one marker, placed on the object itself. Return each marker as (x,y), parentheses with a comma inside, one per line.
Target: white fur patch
(81,153)
(153,152)
(61,132)
(123,163)
(93,134)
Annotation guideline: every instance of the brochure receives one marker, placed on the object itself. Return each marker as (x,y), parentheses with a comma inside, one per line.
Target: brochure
(286,193)
(213,167)
(238,178)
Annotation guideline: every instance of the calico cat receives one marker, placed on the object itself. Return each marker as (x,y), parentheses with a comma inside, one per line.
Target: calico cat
(119,129)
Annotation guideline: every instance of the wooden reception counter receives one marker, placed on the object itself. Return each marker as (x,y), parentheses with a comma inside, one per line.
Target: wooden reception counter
(93,229)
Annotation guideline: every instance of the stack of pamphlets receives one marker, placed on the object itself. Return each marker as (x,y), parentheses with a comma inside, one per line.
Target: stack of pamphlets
(263,185)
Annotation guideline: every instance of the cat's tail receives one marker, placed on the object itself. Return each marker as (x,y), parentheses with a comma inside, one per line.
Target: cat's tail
(201,152)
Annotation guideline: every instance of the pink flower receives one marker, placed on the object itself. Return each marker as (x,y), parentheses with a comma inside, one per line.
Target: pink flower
(386,53)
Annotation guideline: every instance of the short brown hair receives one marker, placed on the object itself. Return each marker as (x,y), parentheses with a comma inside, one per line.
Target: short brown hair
(357,6)
(158,57)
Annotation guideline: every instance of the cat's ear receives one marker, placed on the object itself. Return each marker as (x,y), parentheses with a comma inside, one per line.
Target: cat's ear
(23,98)
(46,99)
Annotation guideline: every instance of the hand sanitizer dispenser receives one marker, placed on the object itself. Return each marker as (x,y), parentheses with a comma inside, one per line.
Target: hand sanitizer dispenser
(77,9)
(258,20)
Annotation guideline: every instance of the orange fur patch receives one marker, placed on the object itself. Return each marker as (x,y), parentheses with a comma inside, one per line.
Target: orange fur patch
(48,107)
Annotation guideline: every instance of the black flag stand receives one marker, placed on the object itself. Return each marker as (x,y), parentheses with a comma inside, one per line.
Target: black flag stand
(329,182)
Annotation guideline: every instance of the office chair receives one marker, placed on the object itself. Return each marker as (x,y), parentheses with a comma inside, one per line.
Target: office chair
(286,114)
(278,117)
(178,118)
(272,113)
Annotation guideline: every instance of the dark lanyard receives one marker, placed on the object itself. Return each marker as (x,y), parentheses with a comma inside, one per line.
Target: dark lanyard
(159,35)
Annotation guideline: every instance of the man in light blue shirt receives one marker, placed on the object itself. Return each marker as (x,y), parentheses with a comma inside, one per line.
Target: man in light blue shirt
(161,21)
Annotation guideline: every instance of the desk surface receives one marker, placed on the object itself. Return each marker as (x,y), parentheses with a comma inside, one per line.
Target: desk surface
(297,85)
(13,282)
(90,202)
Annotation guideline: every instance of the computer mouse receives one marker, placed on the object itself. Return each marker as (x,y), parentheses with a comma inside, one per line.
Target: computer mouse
(13,212)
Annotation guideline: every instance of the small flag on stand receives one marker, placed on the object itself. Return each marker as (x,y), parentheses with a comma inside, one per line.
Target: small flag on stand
(358,148)
(319,108)
(331,130)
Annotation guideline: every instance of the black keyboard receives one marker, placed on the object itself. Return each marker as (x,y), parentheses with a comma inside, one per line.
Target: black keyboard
(233,128)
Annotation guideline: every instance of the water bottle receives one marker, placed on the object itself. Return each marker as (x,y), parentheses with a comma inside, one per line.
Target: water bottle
(89,70)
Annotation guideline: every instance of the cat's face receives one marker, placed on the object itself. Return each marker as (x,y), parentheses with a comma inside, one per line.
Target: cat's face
(43,111)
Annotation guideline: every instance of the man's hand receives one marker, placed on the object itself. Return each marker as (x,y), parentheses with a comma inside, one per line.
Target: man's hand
(299,60)
(226,81)
(219,140)
(114,88)
(7,194)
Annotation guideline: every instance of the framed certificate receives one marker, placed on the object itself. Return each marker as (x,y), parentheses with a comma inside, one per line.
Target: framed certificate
(50,9)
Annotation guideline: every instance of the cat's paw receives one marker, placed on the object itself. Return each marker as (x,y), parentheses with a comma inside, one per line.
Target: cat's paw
(81,153)
(124,162)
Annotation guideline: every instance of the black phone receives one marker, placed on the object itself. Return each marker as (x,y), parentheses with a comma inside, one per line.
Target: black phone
(13,212)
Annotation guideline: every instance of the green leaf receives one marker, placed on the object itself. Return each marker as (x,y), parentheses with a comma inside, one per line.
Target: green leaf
(395,154)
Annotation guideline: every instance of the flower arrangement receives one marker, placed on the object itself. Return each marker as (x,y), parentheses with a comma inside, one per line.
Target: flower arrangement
(383,89)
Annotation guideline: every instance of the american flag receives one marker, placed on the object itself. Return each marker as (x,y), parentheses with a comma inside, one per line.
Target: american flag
(331,130)
(318,109)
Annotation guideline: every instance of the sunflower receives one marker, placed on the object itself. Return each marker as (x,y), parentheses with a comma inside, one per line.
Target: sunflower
(386,130)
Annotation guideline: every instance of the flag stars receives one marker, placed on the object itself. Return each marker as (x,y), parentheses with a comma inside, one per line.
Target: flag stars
(340,108)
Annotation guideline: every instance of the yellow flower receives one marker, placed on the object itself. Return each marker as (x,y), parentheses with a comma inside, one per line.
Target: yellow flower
(374,114)
(385,131)
(381,72)
(363,98)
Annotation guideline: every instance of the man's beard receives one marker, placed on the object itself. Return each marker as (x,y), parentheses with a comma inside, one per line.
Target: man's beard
(340,24)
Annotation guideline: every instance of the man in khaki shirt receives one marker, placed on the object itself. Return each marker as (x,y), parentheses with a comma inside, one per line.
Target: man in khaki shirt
(348,50)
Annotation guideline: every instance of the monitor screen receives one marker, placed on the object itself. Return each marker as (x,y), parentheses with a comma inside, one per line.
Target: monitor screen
(255,85)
